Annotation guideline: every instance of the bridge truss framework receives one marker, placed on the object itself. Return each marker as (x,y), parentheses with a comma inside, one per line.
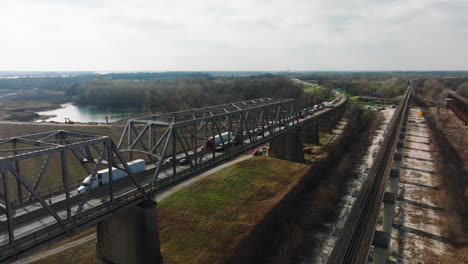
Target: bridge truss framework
(180,135)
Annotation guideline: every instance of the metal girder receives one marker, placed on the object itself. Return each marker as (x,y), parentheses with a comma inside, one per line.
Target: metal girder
(31,190)
(39,176)
(183,135)
(68,147)
(194,114)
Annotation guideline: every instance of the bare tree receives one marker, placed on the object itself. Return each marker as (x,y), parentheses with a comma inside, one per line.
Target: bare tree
(463,89)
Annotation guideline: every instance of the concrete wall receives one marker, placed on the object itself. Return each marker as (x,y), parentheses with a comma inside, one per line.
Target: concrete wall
(310,134)
(288,147)
(130,236)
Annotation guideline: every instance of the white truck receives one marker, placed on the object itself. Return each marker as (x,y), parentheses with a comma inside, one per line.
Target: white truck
(210,143)
(102,176)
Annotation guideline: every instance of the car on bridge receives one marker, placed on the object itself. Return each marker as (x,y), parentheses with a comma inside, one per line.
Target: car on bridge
(257,152)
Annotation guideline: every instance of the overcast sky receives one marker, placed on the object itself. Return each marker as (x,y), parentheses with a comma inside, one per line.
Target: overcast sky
(271,35)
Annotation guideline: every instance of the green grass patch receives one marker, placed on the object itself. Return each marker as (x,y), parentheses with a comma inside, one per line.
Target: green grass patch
(223,208)
(364,104)
(324,138)
(318,91)
(206,222)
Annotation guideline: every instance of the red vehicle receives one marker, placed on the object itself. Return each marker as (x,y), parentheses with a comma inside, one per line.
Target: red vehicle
(308,150)
(257,152)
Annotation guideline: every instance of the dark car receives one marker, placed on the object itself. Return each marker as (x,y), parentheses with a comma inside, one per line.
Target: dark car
(184,161)
(168,161)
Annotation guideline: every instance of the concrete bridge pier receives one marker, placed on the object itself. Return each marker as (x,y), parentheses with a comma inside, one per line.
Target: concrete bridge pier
(288,147)
(310,134)
(335,119)
(130,236)
(326,126)
(381,245)
(394,181)
(389,210)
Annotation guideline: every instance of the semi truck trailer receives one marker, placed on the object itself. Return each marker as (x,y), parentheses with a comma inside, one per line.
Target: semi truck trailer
(102,176)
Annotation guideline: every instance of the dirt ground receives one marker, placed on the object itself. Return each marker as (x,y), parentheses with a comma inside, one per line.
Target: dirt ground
(418,235)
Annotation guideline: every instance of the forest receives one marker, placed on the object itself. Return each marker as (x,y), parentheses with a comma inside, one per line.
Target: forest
(172,91)
(390,84)
(185,93)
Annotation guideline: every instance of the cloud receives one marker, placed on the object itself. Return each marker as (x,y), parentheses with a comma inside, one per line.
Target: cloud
(143,23)
(234,35)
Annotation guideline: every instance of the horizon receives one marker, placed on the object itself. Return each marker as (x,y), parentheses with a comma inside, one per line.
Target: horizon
(208,71)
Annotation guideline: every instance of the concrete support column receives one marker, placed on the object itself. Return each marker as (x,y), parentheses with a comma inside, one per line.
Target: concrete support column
(401,144)
(402,134)
(380,255)
(380,242)
(394,180)
(397,160)
(310,134)
(389,210)
(325,126)
(288,147)
(130,236)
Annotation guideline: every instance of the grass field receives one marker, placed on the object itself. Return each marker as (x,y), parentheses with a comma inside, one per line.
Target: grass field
(206,222)
(324,138)
(317,91)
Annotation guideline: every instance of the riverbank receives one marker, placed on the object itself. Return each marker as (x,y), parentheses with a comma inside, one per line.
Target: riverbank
(47,106)
(87,114)
(23,105)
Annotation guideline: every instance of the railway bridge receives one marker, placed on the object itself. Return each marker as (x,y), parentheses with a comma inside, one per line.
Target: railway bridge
(174,147)
(459,105)
(359,234)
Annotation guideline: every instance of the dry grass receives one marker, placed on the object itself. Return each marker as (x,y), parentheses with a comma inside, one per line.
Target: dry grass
(450,165)
(456,256)
(29,168)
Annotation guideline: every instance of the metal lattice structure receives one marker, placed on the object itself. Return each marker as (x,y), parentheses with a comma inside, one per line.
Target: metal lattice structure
(175,146)
(181,135)
(26,161)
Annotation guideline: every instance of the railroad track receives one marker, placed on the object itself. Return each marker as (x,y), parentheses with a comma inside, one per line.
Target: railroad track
(356,237)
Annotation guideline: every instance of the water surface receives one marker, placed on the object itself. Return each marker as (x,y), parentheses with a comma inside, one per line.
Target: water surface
(85,114)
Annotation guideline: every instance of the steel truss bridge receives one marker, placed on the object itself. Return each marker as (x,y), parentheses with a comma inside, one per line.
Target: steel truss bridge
(28,165)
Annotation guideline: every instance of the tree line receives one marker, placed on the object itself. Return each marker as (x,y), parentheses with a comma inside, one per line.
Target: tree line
(185,93)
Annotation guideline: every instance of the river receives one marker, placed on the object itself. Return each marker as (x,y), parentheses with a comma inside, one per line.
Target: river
(85,114)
